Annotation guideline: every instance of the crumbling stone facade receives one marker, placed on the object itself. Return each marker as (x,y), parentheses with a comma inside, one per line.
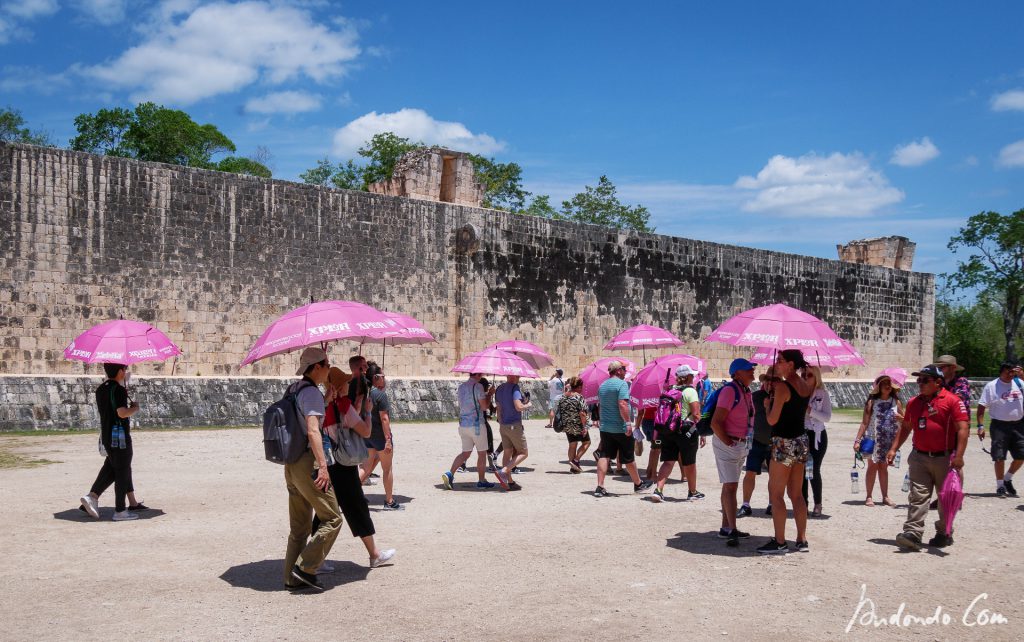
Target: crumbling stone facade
(887,251)
(434,174)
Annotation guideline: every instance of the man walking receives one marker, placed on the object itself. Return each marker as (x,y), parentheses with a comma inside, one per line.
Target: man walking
(939,421)
(616,440)
(115,411)
(472,429)
(1003,398)
(511,403)
(732,420)
(308,481)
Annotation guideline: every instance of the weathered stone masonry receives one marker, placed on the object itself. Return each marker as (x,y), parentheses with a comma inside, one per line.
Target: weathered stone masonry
(211,258)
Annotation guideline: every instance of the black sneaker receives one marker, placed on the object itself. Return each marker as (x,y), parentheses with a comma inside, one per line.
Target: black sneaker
(724,533)
(801,547)
(1001,491)
(1010,490)
(740,534)
(909,541)
(600,492)
(695,495)
(941,540)
(744,511)
(768,511)
(642,486)
(392,505)
(733,540)
(771,547)
(306,578)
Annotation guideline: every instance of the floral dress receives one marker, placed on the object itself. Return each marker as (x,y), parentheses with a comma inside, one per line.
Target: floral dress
(884,426)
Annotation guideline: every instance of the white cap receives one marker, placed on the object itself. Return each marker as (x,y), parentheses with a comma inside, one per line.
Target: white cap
(685,371)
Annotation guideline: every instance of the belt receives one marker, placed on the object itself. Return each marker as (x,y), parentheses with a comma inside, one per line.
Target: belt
(933,453)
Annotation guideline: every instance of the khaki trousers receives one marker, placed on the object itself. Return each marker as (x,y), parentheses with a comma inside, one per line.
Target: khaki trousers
(304,498)
(926,473)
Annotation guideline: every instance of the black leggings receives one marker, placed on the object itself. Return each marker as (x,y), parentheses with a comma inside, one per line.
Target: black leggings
(116,470)
(349,491)
(817,454)
(490,441)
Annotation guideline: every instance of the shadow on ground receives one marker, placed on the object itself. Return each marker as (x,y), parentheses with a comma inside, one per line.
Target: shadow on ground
(891,543)
(106,514)
(267,575)
(708,543)
(377,499)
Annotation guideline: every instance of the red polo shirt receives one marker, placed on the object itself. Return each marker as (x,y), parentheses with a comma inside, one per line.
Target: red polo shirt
(940,414)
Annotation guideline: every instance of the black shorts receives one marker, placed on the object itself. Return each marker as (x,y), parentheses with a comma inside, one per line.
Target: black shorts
(1007,437)
(676,444)
(616,445)
(576,439)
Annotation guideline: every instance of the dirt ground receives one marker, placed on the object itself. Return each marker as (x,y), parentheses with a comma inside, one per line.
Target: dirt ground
(550,562)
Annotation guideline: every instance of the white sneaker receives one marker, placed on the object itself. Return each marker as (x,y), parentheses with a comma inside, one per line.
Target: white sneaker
(326,567)
(370,481)
(91,506)
(125,516)
(383,557)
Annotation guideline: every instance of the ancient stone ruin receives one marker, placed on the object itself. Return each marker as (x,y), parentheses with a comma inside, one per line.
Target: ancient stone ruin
(434,174)
(887,251)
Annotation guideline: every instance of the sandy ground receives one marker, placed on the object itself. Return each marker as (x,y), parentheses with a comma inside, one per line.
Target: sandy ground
(550,562)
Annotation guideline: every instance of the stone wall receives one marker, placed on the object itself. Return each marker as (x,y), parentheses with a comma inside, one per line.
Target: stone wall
(68,402)
(434,174)
(887,251)
(211,258)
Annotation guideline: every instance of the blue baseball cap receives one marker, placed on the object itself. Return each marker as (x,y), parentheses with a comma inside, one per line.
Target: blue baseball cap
(740,364)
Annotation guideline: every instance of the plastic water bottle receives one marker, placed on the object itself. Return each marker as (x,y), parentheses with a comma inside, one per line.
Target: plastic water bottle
(750,438)
(809,469)
(896,461)
(121,443)
(854,481)
(906,482)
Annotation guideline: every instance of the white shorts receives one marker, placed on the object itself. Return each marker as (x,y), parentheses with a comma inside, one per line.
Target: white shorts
(471,440)
(729,459)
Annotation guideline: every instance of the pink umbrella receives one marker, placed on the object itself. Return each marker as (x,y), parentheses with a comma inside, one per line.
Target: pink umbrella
(951,497)
(532,353)
(121,341)
(898,376)
(403,330)
(496,362)
(640,337)
(780,327)
(318,323)
(657,376)
(597,373)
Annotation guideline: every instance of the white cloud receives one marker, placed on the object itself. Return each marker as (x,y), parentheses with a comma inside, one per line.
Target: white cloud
(16,78)
(837,185)
(1012,100)
(914,153)
(107,12)
(28,9)
(220,48)
(1012,155)
(414,124)
(284,102)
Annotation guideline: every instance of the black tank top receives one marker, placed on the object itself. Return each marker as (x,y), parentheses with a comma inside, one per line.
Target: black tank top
(791,420)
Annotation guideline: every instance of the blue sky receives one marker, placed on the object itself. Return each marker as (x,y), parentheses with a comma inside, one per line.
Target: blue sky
(791,126)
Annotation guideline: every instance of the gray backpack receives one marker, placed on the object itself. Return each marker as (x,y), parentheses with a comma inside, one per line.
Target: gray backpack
(284,429)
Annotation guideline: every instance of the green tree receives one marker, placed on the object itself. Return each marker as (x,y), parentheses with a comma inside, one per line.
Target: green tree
(972,332)
(151,132)
(995,267)
(541,206)
(241,165)
(383,152)
(503,183)
(342,176)
(13,129)
(600,206)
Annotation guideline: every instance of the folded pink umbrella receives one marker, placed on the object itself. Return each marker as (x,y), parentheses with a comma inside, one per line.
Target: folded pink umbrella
(780,327)
(658,375)
(951,497)
(318,323)
(597,373)
(121,341)
(532,353)
(496,362)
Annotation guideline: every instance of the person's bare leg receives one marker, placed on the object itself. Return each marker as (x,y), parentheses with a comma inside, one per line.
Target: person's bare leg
(664,473)
(369,465)
(690,472)
(388,474)
(481,465)
(883,480)
(749,482)
(584,446)
(796,497)
(729,506)
(869,480)
(1000,467)
(572,451)
(1015,465)
(371,547)
(459,460)
(515,461)
(602,470)
(652,462)
(633,474)
(778,479)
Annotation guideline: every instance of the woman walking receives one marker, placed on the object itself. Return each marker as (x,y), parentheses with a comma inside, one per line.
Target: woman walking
(819,413)
(786,410)
(380,442)
(572,409)
(883,412)
(340,416)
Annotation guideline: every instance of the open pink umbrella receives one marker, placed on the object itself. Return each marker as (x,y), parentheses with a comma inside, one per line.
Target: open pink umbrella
(532,353)
(951,497)
(121,341)
(318,323)
(780,327)
(496,362)
(403,330)
(656,376)
(597,373)
(640,337)
(898,376)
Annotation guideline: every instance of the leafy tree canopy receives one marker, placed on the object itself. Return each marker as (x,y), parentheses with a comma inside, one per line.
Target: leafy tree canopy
(13,129)
(600,206)
(503,183)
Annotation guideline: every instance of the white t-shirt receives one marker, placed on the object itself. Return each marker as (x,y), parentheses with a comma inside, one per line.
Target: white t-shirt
(1004,401)
(555,389)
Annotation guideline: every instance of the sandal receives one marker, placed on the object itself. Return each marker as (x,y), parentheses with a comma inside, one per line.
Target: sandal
(888,502)
(869,502)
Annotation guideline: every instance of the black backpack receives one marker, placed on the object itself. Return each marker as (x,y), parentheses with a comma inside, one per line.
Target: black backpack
(285,438)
